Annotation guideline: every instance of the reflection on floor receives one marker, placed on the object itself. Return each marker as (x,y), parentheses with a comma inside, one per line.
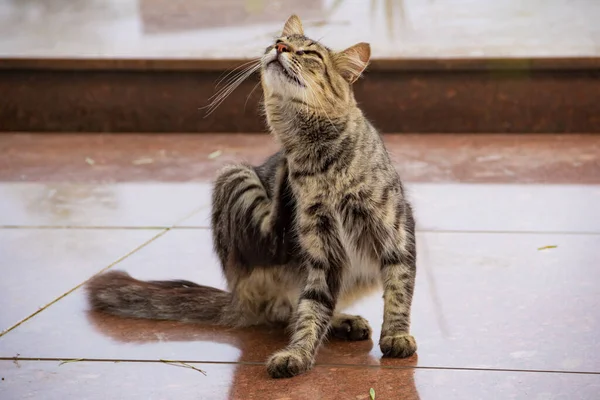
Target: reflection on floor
(506,298)
(208,29)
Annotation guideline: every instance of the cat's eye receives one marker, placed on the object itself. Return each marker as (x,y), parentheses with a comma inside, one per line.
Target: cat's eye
(299,52)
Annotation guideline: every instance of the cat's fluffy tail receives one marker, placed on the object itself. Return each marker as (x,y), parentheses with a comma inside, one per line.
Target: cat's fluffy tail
(119,294)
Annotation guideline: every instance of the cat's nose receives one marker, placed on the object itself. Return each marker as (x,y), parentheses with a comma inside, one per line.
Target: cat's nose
(282,47)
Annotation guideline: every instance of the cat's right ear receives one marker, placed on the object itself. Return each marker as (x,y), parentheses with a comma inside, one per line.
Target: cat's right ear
(293,26)
(353,61)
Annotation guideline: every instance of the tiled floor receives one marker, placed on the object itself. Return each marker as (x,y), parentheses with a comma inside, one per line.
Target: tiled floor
(496,315)
(205,29)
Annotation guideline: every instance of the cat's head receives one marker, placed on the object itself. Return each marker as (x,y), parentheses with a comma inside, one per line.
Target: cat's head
(296,67)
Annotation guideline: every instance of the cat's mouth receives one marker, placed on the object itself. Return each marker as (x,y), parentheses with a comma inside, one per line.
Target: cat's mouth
(278,66)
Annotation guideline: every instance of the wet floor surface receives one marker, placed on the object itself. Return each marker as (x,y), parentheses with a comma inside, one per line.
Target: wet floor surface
(506,298)
(203,29)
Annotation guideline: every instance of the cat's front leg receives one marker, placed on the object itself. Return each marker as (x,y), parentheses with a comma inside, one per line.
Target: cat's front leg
(324,259)
(398,268)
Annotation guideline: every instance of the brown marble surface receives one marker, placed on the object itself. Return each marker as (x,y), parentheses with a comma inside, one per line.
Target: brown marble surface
(175,157)
(497,313)
(483,300)
(487,100)
(101,380)
(38,266)
(109,65)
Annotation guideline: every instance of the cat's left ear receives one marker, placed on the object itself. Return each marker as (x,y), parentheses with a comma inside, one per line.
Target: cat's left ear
(352,62)
(293,26)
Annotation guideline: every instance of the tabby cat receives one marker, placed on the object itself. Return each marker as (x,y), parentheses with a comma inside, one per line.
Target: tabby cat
(319,224)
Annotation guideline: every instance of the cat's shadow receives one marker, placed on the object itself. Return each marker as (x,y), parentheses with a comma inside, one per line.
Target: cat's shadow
(254,345)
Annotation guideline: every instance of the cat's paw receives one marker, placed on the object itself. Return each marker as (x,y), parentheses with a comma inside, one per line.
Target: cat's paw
(288,363)
(399,346)
(350,327)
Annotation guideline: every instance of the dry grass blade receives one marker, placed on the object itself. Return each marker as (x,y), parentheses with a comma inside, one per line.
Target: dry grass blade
(182,365)
(142,161)
(215,154)
(547,247)
(70,361)
(334,6)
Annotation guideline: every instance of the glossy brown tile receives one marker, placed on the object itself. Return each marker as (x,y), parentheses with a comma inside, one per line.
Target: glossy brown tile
(100,205)
(488,100)
(482,301)
(101,380)
(180,157)
(38,266)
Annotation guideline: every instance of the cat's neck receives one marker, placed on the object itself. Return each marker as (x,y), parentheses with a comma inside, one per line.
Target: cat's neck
(295,123)
(310,139)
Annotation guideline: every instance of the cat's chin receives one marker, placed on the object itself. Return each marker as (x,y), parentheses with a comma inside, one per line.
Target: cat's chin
(282,86)
(280,80)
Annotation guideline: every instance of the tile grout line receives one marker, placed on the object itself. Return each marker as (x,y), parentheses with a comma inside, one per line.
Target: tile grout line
(256,363)
(118,260)
(123,227)
(174,226)
(199,227)
(107,227)
(190,215)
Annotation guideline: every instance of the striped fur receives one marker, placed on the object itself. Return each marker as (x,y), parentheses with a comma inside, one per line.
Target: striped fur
(318,225)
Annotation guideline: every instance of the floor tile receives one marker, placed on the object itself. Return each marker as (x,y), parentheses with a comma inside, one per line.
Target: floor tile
(514,208)
(101,380)
(40,265)
(494,208)
(447,207)
(173,157)
(229,29)
(98,205)
(482,300)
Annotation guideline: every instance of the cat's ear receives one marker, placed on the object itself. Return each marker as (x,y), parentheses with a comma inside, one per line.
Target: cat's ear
(352,62)
(293,26)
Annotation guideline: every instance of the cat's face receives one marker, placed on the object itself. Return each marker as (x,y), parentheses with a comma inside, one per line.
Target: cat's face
(297,67)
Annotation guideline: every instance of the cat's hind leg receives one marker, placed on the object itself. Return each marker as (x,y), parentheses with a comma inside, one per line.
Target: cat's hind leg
(246,220)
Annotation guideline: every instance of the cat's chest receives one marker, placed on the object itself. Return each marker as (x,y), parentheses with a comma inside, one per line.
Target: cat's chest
(310,187)
(330,194)
(362,268)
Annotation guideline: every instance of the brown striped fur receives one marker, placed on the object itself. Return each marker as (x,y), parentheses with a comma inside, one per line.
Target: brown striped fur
(318,225)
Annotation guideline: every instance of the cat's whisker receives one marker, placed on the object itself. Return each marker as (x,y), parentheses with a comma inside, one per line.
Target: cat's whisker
(234,78)
(322,108)
(304,92)
(220,96)
(248,97)
(230,81)
(305,99)
(236,71)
